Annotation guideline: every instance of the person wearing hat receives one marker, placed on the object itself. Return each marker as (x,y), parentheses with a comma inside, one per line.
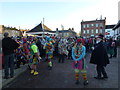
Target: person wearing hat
(79,63)
(8,46)
(100,58)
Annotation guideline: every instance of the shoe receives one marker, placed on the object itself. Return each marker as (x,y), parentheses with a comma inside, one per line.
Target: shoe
(49,68)
(85,82)
(32,71)
(6,77)
(36,73)
(114,56)
(105,77)
(11,76)
(77,82)
(98,77)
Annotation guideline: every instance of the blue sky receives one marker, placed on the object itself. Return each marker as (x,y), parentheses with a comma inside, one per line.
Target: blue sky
(28,14)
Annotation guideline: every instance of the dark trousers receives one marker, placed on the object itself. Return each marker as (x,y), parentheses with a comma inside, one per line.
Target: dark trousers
(101,71)
(70,54)
(9,63)
(115,52)
(61,58)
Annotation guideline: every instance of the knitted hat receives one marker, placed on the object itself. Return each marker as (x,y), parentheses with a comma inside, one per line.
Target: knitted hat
(6,34)
(78,41)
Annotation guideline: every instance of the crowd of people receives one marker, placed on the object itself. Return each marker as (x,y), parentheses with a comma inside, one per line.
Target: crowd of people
(31,50)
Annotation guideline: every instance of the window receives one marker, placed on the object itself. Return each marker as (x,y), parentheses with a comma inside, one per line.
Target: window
(87,31)
(92,31)
(84,26)
(92,25)
(100,30)
(101,25)
(96,30)
(87,25)
(96,25)
(84,31)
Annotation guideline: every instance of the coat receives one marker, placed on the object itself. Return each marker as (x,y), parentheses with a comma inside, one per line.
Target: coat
(9,45)
(99,55)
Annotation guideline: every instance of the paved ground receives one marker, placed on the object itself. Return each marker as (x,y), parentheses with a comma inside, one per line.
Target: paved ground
(62,76)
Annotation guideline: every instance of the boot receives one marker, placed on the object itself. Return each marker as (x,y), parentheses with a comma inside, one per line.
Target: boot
(36,73)
(77,82)
(49,68)
(32,71)
(85,82)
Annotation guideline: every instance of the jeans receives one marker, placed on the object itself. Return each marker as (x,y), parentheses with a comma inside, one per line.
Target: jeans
(9,63)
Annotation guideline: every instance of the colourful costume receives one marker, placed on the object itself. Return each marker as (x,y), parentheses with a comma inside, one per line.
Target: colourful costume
(79,63)
(62,48)
(49,51)
(35,59)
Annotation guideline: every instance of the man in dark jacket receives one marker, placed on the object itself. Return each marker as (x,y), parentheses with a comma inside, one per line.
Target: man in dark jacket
(100,58)
(8,47)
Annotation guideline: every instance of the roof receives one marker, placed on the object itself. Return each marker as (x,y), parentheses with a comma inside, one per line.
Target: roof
(92,21)
(66,31)
(39,28)
(46,28)
(116,26)
(109,26)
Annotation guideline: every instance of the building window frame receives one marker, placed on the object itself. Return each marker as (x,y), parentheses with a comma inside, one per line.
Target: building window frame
(88,31)
(92,31)
(92,25)
(88,25)
(96,30)
(96,24)
(101,31)
(84,31)
(101,25)
(84,26)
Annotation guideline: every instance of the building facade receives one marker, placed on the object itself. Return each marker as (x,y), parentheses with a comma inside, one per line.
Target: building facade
(117,30)
(65,33)
(93,28)
(1,34)
(12,31)
(109,32)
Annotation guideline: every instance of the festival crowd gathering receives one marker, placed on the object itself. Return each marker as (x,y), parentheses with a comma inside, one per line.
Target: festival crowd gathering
(31,50)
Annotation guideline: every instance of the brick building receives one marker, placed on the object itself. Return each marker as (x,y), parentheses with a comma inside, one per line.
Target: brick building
(93,28)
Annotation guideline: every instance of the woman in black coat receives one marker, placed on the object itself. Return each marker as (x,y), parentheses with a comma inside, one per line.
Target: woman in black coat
(100,58)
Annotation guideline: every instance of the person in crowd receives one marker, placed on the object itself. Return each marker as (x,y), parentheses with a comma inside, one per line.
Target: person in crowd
(69,47)
(115,48)
(35,58)
(39,45)
(79,63)
(111,46)
(9,46)
(100,58)
(62,49)
(49,51)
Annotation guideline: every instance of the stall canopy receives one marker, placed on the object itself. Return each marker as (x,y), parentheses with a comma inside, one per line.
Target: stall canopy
(38,30)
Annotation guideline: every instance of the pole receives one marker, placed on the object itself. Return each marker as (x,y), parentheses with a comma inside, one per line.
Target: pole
(43,28)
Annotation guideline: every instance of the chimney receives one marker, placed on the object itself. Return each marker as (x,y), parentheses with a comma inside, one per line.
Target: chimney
(56,29)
